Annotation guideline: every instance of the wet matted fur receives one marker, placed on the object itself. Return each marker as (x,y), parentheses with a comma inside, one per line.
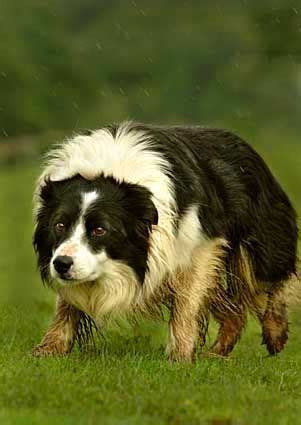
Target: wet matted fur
(132,216)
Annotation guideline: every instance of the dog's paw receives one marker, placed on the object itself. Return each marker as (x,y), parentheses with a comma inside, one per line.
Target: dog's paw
(50,349)
(181,357)
(213,355)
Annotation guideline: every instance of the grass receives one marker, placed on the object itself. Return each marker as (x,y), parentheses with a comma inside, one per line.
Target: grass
(127,379)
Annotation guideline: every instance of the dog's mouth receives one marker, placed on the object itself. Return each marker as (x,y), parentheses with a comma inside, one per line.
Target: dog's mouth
(66,276)
(67,279)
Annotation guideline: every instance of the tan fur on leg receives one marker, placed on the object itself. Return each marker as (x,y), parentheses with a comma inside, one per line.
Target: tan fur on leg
(275,322)
(191,288)
(231,326)
(260,305)
(61,335)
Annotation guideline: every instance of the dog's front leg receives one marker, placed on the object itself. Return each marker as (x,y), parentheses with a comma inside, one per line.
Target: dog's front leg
(60,337)
(183,330)
(191,288)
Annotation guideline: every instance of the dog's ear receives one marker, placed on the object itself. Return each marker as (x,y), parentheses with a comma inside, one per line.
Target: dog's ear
(141,205)
(151,214)
(47,190)
(41,238)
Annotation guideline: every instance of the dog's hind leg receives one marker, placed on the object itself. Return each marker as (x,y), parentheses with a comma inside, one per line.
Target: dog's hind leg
(270,309)
(274,322)
(230,305)
(190,289)
(62,333)
(231,327)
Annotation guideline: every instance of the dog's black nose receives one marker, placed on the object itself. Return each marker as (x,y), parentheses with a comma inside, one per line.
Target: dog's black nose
(62,264)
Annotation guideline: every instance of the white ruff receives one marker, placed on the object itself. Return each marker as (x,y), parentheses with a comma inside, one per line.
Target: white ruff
(129,157)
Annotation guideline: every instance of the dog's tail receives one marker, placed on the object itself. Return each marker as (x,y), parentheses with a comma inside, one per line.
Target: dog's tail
(239,288)
(241,281)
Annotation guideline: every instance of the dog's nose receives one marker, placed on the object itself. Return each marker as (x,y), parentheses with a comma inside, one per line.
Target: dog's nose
(62,264)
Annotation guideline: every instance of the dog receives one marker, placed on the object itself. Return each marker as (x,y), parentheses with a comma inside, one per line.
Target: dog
(131,217)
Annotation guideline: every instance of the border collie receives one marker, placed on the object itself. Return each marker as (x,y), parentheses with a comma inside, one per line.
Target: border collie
(132,217)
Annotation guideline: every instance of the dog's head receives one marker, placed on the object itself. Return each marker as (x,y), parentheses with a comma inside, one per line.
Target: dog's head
(82,226)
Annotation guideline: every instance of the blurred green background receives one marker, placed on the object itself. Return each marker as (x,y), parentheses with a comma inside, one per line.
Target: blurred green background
(72,64)
(68,65)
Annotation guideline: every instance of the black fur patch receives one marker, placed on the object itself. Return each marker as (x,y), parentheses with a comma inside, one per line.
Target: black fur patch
(237,195)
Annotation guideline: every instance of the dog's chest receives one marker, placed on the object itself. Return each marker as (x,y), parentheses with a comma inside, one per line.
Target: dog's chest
(87,298)
(97,301)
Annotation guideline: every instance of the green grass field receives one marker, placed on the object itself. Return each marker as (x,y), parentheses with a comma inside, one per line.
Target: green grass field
(127,380)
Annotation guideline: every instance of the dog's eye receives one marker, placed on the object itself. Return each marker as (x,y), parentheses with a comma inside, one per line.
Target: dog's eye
(59,227)
(98,231)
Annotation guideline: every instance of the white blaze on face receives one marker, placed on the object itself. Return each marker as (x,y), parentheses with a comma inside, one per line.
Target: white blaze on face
(87,266)
(87,199)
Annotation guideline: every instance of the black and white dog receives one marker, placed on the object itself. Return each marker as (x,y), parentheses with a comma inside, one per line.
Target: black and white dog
(132,216)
